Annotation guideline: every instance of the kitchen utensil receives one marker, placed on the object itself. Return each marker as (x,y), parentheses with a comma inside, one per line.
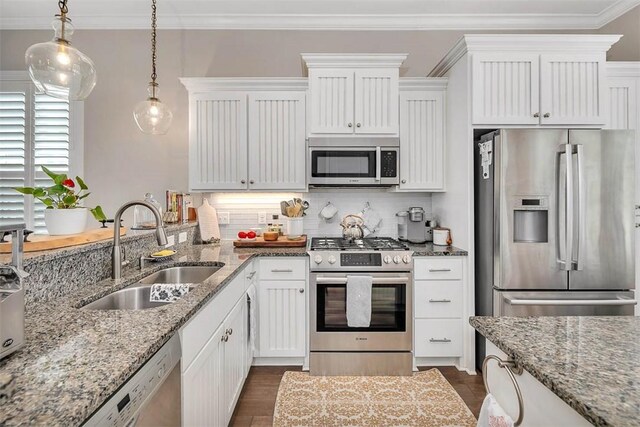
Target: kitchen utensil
(352,227)
(208,222)
(328,212)
(283,207)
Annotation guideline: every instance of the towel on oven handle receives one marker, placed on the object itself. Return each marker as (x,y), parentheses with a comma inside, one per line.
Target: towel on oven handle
(359,301)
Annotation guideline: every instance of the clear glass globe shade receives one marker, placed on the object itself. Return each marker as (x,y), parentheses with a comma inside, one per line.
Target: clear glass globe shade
(59,69)
(152,116)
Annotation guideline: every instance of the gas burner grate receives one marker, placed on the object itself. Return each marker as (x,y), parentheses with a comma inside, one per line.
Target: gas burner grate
(372,244)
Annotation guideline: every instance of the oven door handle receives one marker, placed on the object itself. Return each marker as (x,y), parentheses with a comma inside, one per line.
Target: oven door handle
(376,280)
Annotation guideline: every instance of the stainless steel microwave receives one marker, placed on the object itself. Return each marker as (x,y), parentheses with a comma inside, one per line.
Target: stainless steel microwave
(353,162)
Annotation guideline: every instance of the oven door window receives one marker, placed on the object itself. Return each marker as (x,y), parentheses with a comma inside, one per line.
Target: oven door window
(388,309)
(343,164)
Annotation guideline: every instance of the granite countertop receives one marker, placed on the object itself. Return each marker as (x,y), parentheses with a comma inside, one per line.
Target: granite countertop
(592,363)
(73,359)
(429,249)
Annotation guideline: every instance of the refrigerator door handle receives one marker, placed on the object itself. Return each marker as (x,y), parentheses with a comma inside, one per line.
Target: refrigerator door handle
(572,302)
(565,259)
(582,208)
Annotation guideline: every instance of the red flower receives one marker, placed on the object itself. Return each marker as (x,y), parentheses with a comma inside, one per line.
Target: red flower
(68,183)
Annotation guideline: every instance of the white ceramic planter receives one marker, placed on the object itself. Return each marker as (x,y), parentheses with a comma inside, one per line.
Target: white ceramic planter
(65,221)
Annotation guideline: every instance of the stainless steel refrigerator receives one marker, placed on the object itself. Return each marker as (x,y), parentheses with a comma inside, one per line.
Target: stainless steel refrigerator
(554,212)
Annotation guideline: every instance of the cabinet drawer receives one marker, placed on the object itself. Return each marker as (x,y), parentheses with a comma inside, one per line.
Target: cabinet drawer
(438,269)
(438,299)
(438,338)
(283,269)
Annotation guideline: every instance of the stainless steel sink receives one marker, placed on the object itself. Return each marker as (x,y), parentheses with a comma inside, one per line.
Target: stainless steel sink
(184,274)
(136,296)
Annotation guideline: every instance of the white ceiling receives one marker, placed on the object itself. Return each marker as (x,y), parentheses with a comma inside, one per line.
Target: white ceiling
(321,14)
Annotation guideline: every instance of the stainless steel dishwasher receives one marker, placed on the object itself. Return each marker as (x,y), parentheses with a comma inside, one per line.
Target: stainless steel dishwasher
(151,397)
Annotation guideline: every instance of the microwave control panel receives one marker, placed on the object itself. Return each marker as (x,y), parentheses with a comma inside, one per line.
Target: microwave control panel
(389,163)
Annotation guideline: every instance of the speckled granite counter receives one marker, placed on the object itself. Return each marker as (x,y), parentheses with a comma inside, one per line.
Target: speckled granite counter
(429,249)
(592,363)
(75,359)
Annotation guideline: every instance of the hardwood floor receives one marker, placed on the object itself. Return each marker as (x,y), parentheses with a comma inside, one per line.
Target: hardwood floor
(258,399)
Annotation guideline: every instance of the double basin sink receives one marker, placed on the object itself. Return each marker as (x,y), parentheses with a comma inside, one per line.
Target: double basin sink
(137,296)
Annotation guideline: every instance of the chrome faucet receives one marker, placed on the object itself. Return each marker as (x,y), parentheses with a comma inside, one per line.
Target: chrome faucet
(116,254)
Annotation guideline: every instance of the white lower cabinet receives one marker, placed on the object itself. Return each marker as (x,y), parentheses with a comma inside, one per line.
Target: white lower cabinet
(282,318)
(213,379)
(542,408)
(438,338)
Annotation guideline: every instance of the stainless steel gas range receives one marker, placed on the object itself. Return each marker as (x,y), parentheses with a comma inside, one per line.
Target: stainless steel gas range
(383,348)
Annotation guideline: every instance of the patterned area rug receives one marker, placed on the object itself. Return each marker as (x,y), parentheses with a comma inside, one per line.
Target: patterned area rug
(426,399)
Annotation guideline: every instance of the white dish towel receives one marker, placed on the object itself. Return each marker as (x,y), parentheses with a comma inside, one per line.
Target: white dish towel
(492,414)
(359,301)
(251,294)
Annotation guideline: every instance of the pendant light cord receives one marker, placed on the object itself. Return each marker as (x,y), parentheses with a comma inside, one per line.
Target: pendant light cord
(62,5)
(153,47)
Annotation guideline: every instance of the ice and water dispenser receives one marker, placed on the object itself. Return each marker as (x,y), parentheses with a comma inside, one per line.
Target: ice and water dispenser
(531,219)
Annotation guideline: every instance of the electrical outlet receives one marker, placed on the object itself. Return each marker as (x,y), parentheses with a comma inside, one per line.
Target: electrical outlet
(223,218)
(182,237)
(171,240)
(262,217)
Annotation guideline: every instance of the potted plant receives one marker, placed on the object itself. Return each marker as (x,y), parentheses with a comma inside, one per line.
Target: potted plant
(63,214)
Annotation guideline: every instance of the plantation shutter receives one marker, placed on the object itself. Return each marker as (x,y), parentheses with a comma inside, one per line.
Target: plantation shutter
(13,155)
(50,145)
(34,131)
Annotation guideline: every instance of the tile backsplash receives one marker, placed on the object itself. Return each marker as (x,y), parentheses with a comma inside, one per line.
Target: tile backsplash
(243,208)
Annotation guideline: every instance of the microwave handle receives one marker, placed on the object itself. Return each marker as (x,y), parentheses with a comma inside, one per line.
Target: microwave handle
(378,164)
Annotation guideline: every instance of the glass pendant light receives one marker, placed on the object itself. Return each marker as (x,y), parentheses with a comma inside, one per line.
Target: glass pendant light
(152,116)
(57,68)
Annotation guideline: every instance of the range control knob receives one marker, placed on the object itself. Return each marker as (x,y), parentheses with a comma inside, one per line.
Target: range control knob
(332,259)
(387,259)
(406,259)
(397,259)
(317,259)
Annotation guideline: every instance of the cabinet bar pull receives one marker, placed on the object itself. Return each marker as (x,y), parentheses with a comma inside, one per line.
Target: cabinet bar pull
(439,340)
(439,300)
(512,370)
(281,270)
(439,270)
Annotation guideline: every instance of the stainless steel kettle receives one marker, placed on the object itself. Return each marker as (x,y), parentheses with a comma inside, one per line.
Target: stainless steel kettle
(352,227)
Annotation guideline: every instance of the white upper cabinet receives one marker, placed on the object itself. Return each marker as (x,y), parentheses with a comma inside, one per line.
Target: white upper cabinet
(353,94)
(534,79)
(572,89)
(247,134)
(331,101)
(376,101)
(422,134)
(277,141)
(505,88)
(218,141)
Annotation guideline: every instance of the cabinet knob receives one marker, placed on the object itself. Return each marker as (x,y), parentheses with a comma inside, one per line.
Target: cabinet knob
(251,182)
(536,115)
(546,115)
(242,181)
(350,125)
(404,181)
(225,338)
(358,125)
(301,290)
(229,331)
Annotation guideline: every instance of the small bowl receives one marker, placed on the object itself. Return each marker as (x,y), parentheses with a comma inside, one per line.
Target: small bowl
(270,236)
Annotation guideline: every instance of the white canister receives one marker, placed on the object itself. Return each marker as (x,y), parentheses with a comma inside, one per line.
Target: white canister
(294,228)
(441,236)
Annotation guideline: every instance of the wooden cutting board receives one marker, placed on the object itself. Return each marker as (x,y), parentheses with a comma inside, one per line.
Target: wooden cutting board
(282,242)
(44,242)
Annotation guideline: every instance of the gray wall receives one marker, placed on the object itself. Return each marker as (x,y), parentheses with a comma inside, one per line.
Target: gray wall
(121,163)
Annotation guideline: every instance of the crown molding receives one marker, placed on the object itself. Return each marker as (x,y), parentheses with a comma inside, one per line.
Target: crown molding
(548,43)
(623,69)
(353,60)
(206,84)
(327,21)
(423,83)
